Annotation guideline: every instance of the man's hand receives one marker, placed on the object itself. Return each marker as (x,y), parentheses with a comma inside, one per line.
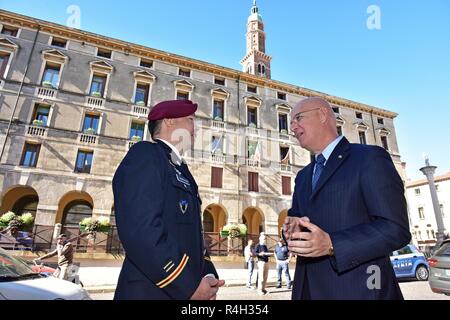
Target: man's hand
(291,225)
(207,290)
(316,243)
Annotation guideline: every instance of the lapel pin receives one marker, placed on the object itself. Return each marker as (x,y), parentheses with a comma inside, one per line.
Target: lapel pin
(340,156)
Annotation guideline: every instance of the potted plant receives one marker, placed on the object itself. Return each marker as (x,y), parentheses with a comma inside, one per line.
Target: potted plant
(217,118)
(140,103)
(252,125)
(91,225)
(89,131)
(283,131)
(47,84)
(37,122)
(136,138)
(27,220)
(96,94)
(6,218)
(234,230)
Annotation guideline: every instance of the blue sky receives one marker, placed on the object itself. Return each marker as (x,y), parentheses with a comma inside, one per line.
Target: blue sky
(323,45)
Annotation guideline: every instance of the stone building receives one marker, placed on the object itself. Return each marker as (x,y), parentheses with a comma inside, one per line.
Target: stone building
(73,102)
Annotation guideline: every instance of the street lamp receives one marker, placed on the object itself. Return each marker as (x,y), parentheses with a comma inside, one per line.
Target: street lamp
(428,171)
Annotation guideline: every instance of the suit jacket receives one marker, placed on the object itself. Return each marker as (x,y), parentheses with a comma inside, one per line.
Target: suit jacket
(359,200)
(158,219)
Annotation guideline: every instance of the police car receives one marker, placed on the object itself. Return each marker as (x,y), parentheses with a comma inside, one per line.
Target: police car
(409,262)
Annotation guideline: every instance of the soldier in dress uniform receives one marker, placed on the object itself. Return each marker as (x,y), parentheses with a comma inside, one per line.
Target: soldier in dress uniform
(158,214)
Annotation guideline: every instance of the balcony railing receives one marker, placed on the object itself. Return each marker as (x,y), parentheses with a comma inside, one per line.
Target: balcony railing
(140,111)
(46,93)
(285,167)
(36,131)
(217,158)
(95,102)
(88,138)
(253,163)
(252,131)
(218,125)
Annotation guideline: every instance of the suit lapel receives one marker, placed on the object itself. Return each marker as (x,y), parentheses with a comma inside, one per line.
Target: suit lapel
(337,157)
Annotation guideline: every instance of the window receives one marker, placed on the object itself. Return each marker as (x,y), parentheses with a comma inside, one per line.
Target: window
(252,117)
(41,113)
(336,109)
(137,129)
(219,81)
(358,115)
(51,75)
(98,85)
(218,108)
(384,142)
(181,95)
(380,120)
(10,31)
(417,191)
(84,161)
(421,213)
(362,137)
(339,130)
(284,154)
(251,89)
(90,124)
(281,95)
(283,122)
(253,181)
(104,53)
(184,72)
(404,250)
(30,155)
(217,144)
(4,58)
(142,93)
(58,42)
(286,185)
(146,63)
(216,177)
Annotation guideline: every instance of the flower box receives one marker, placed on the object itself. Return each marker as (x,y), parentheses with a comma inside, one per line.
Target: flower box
(89,131)
(47,84)
(96,94)
(38,122)
(136,138)
(140,103)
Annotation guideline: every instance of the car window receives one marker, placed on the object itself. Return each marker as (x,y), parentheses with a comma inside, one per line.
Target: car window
(405,250)
(444,250)
(10,266)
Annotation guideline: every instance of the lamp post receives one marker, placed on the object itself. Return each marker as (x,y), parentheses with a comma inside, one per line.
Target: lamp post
(428,171)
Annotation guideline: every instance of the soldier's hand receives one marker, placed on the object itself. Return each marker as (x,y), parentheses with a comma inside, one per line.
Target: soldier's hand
(207,290)
(291,225)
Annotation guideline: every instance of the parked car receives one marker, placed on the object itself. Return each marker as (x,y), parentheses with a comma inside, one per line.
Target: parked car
(38,268)
(19,282)
(409,262)
(440,269)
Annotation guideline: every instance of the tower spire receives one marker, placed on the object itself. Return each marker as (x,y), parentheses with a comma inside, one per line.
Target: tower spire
(256,61)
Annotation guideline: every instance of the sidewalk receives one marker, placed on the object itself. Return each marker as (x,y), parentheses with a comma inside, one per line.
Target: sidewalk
(99,278)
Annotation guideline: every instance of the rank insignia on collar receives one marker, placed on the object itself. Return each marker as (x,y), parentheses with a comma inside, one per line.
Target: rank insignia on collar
(183,206)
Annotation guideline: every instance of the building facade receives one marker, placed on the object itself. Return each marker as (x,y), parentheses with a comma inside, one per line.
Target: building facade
(421,212)
(72,103)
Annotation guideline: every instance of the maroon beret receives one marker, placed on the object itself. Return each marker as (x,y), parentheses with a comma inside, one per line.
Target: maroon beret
(172,109)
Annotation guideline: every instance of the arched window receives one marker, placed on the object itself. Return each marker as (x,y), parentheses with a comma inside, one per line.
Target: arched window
(259,68)
(76,211)
(263,68)
(26,204)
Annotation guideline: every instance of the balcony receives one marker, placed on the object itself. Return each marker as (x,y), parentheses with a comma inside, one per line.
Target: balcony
(283,134)
(87,138)
(36,131)
(285,167)
(217,158)
(252,131)
(253,163)
(95,102)
(140,111)
(46,93)
(218,125)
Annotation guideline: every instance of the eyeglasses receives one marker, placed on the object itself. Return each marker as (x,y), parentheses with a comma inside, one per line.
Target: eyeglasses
(299,116)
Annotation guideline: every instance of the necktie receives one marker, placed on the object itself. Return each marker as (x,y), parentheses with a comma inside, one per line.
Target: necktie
(320,160)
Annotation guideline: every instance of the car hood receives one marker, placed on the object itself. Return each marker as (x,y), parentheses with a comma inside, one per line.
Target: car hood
(42,289)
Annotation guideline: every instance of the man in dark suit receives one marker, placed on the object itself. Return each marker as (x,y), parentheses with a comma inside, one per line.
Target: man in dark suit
(348,213)
(158,214)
